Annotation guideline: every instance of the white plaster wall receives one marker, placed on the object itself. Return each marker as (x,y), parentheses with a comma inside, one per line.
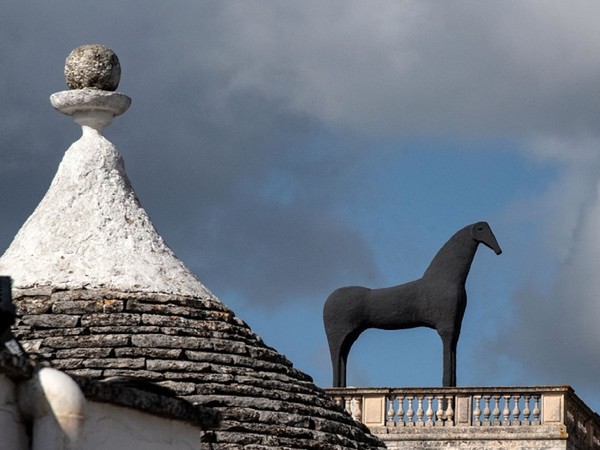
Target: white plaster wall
(12,430)
(105,427)
(109,427)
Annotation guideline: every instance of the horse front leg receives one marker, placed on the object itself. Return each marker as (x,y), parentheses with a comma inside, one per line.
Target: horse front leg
(339,356)
(336,365)
(343,361)
(449,361)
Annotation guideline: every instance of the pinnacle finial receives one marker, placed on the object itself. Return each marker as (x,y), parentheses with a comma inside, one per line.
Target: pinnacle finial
(92,66)
(92,73)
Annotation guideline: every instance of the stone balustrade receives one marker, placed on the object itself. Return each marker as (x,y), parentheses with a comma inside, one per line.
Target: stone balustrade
(540,416)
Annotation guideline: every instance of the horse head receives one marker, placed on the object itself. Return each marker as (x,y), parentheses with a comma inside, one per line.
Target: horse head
(482,233)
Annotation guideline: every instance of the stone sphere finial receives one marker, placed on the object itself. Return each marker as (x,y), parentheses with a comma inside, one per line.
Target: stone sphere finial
(92,66)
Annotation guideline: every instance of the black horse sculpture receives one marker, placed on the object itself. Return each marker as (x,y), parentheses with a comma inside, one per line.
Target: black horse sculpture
(437,300)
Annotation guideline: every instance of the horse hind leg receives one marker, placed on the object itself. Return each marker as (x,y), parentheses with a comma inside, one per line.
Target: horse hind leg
(339,349)
(336,365)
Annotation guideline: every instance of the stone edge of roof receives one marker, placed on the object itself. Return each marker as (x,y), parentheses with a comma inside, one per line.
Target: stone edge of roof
(18,368)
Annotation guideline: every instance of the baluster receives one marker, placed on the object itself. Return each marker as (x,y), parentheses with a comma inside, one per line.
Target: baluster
(420,422)
(526,411)
(356,409)
(429,412)
(439,414)
(410,412)
(477,411)
(506,410)
(496,410)
(536,410)
(400,421)
(449,412)
(486,410)
(389,420)
(348,405)
(516,411)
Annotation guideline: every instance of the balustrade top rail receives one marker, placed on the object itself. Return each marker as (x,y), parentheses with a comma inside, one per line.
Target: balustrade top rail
(471,407)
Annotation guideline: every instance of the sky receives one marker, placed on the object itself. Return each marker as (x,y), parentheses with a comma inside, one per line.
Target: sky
(285,149)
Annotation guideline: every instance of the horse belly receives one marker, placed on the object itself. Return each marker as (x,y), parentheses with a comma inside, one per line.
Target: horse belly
(398,307)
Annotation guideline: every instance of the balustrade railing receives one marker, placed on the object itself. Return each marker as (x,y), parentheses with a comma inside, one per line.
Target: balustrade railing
(471,407)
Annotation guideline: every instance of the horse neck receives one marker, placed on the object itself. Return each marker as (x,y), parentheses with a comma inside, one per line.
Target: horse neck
(453,261)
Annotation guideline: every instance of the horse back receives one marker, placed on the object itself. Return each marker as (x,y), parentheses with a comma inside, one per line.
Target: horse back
(399,307)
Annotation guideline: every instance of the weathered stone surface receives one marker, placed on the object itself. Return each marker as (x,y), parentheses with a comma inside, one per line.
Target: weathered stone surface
(32,346)
(83,353)
(169,310)
(115,363)
(137,373)
(68,364)
(89,229)
(180,388)
(34,305)
(106,319)
(162,341)
(532,438)
(205,354)
(51,320)
(154,403)
(87,306)
(87,373)
(162,365)
(148,352)
(51,332)
(92,66)
(169,321)
(109,340)
(120,329)
(91,100)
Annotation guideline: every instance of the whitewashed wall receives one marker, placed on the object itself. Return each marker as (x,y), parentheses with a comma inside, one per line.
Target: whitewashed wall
(104,427)
(109,427)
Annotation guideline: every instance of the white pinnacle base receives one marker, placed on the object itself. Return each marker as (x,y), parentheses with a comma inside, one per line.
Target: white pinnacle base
(90,231)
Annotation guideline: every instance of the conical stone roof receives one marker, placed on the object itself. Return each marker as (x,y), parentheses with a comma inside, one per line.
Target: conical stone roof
(99,295)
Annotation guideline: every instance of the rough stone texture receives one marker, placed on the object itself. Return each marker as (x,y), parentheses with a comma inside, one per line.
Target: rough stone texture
(90,231)
(547,437)
(492,444)
(199,349)
(92,66)
(151,402)
(89,99)
(132,395)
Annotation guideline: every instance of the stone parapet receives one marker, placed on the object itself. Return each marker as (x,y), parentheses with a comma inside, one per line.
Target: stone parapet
(541,417)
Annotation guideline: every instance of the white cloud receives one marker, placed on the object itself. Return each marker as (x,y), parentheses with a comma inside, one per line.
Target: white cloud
(419,67)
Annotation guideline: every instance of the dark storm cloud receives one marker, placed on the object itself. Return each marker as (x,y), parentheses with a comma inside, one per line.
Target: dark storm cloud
(199,150)
(232,141)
